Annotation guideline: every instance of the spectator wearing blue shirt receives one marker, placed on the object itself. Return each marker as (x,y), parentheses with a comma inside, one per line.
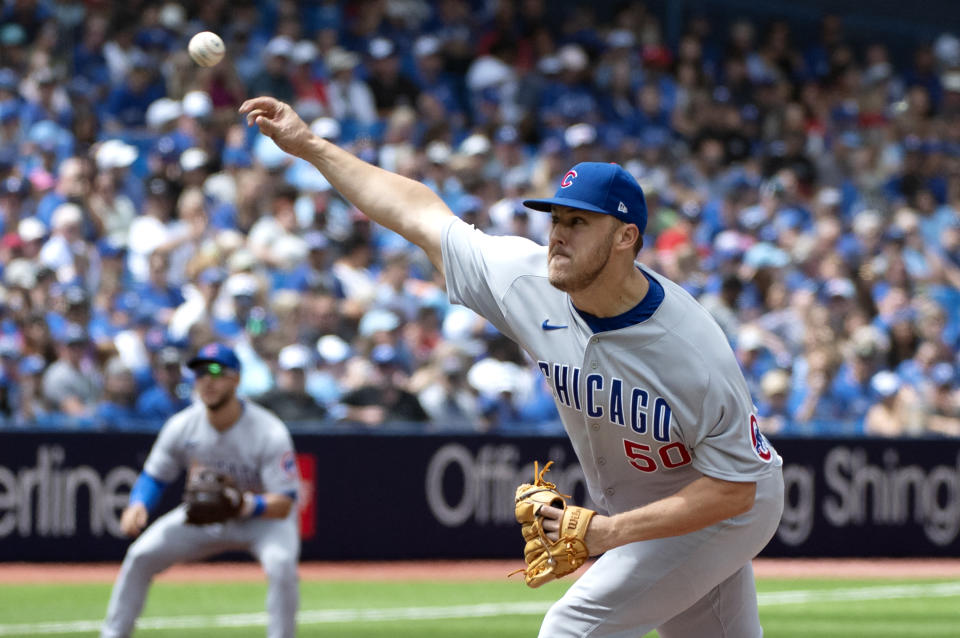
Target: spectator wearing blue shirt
(28,406)
(753,356)
(73,186)
(434,80)
(570,98)
(126,106)
(11,131)
(169,393)
(156,293)
(850,389)
(47,100)
(810,400)
(114,410)
(88,58)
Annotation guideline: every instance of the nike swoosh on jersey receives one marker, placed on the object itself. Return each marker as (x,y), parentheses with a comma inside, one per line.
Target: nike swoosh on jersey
(546,325)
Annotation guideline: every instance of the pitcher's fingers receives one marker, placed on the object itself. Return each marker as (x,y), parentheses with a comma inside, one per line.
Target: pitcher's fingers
(263,102)
(548,511)
(253,115)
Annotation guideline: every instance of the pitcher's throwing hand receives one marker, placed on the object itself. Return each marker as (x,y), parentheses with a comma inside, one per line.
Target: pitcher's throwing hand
(278,121)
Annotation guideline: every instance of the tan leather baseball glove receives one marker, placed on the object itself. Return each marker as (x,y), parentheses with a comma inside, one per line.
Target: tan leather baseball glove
(546,559)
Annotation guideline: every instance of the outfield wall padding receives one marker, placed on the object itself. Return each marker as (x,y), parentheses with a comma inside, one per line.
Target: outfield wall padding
(415,496)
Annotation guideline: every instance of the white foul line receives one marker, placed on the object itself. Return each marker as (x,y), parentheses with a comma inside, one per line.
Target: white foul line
(938,590)
(325,616)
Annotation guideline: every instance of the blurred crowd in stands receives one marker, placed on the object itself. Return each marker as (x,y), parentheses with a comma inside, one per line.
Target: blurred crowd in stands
(807,192)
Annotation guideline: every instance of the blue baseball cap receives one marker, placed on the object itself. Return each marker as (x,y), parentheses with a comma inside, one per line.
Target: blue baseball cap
(599,187)
(215,353)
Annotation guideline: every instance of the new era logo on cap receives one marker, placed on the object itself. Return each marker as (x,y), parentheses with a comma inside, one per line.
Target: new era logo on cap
(600,188)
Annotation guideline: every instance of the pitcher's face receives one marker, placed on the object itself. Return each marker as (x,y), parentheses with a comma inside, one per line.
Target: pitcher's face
(579,248)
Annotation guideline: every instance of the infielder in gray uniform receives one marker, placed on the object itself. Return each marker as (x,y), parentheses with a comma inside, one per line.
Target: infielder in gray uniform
(648,389)
(243,441)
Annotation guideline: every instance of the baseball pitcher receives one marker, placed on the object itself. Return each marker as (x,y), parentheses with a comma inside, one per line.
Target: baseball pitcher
(240,492)
(647,387)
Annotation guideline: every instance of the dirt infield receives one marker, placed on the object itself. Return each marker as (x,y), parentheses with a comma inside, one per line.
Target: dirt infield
(17,573)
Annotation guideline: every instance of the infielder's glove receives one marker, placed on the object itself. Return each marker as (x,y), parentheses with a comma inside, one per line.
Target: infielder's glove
(546,559)
(211,497)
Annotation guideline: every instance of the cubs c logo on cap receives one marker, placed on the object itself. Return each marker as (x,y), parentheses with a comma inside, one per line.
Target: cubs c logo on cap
(568,179)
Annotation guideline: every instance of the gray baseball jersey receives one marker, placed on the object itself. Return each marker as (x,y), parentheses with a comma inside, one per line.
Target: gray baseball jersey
(649,408)
(257,451)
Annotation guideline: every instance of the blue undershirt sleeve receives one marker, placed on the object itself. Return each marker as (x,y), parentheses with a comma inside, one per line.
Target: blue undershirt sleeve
(147,490)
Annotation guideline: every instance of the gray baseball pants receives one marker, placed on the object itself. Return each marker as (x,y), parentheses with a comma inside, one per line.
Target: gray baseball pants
(699,585)
(169,540)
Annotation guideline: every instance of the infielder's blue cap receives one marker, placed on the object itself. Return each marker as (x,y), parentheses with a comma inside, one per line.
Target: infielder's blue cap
(215,353)
(600,188)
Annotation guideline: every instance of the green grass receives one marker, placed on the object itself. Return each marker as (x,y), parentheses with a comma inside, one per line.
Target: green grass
(831,609)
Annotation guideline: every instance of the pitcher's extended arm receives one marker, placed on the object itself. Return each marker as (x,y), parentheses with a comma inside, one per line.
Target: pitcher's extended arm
(396,202)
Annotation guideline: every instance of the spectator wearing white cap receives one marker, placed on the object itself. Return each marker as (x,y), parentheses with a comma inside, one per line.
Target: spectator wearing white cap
(772,408)
(163,114)
(66,253)
(198,122)
(325,381)
(890,414)
(289,399)
(197,105)
(108,199)
(274,79)
(753,356)
(351,100)
(32,232)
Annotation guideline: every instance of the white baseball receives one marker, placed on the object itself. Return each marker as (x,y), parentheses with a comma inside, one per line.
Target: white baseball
(206,48)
